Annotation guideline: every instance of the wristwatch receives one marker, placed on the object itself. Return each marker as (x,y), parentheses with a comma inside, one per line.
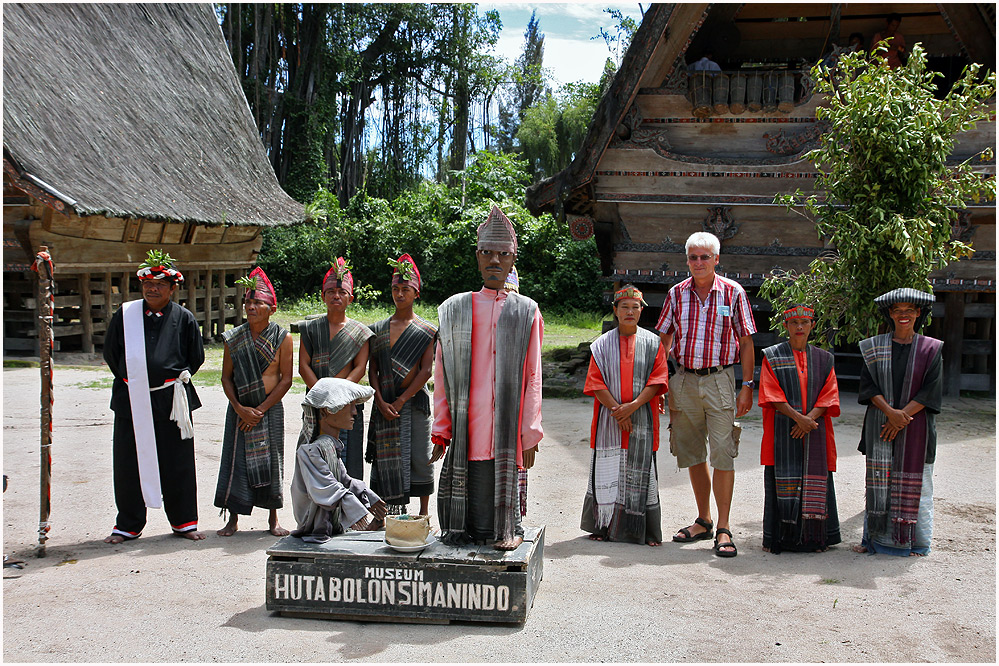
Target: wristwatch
(750,384)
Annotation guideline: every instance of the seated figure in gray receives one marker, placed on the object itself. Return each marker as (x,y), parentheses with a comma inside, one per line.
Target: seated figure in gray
(325,499)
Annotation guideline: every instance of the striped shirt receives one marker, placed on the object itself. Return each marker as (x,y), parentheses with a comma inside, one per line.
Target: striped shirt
(707,334)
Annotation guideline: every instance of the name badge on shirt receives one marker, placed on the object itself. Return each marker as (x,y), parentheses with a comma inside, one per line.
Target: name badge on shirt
(724,311)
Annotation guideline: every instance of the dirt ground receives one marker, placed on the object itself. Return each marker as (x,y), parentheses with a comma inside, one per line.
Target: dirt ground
(164,599)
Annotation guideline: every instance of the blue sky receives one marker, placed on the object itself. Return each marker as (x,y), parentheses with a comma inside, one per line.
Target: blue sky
(570,54)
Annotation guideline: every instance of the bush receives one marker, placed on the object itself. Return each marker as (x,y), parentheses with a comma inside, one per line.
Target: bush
(436,224)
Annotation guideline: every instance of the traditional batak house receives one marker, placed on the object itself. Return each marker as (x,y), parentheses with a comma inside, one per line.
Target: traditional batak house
(671,152)
(125,129)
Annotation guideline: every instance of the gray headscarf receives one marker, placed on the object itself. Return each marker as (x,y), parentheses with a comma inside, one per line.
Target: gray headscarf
(330,393)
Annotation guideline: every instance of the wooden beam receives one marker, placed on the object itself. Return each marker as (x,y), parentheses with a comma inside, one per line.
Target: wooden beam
(206,327)
(108,300)
(238,302)
(86,314)
(953,342)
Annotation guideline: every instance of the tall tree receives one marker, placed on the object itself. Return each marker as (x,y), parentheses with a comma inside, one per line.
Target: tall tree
(313,73)
(554,128)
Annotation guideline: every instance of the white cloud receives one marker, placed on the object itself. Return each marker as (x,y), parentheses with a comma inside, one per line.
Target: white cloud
(570,52)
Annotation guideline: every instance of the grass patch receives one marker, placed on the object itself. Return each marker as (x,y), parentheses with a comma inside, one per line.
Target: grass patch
(15,363)
(102,384)
(830,581)
(565,329)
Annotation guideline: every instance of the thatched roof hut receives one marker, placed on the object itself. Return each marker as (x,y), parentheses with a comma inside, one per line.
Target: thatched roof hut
(134,111)
(125,128)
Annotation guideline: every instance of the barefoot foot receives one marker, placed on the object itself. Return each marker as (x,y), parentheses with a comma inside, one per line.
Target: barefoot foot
(509,544)
(653,543)
(193,535)
(596,537)
(229,529)
(279,531)
(115,539)
(859,549)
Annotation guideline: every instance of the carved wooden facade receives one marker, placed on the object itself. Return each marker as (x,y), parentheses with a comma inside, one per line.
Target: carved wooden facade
(658,164)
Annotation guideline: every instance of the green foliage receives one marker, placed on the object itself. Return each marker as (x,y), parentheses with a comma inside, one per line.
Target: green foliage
(887,197)
(436,224)
(155,258)
(246,282)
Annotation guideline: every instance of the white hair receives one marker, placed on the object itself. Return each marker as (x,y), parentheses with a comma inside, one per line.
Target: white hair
(703,239)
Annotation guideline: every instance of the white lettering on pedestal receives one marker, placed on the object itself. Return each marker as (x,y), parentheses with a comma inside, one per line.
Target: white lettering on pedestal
(392,587)
(280,585)
(335,589)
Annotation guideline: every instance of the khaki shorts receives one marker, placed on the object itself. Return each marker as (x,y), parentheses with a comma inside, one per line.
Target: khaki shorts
(703,413)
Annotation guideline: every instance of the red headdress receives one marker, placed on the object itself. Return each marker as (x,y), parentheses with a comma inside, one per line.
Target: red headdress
(405,272)
(339,276)
(259,287)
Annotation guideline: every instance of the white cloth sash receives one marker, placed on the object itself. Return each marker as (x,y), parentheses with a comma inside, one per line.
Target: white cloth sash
(141,405)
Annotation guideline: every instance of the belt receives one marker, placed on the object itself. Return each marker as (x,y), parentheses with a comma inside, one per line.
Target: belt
(704,372)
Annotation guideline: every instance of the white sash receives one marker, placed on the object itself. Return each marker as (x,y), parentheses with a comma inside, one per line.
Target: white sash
(142,409)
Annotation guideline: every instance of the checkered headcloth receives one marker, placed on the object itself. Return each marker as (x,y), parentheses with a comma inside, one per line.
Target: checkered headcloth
(162,271)
(920,299)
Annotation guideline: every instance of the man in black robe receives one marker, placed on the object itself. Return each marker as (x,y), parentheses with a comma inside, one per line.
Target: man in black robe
(153,434)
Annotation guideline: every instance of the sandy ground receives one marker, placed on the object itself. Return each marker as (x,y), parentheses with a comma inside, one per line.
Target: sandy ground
(163,599)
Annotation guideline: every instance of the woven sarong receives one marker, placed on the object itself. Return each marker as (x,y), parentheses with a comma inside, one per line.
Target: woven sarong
(252,461)
(622,482)
(327,357)
(895,469)
(513,334)
(394,440)
(801,468)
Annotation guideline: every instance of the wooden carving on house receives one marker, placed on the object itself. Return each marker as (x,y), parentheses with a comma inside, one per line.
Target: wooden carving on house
(125,129)
(713,107)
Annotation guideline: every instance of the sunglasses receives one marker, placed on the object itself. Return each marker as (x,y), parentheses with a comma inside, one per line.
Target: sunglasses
(701,257)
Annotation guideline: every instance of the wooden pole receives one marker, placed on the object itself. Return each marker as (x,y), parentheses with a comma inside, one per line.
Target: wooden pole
(953,341)
(86,314)
(206,329)
(46,302)
(108,301)
(237,300)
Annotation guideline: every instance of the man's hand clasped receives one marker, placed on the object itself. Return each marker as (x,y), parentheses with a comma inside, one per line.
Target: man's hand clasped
(897,419)
(803,425)
(249,417)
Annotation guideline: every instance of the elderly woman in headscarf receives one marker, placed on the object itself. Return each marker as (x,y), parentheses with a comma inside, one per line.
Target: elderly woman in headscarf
(901,383)
(326,500)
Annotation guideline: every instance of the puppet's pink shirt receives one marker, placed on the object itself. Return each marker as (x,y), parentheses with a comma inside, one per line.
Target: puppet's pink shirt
(487,305)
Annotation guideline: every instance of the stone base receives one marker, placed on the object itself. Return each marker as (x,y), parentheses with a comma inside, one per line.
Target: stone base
(356,576)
